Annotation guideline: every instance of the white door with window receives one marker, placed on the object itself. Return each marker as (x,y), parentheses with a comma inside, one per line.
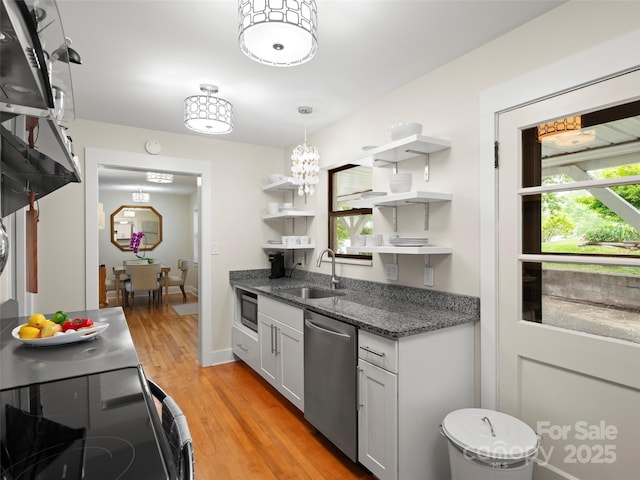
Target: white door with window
(568,294)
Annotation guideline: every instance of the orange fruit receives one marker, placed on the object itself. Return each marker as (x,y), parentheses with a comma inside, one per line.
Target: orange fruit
(37,320)
(27,331)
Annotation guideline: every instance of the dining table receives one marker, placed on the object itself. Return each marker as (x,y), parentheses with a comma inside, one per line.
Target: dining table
(120,271)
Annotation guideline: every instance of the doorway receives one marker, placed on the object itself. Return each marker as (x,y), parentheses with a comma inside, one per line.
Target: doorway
(96,158)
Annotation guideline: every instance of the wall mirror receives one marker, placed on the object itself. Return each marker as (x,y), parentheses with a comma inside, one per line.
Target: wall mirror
(128,219)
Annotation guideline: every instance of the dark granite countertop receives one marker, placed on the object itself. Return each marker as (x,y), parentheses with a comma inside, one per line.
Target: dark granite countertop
(389,310)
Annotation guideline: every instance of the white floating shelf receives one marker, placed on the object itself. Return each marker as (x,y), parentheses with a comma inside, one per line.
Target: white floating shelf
(401,199)
(280,186)
(426,250)
(288,214)
(400,150)
(272,246)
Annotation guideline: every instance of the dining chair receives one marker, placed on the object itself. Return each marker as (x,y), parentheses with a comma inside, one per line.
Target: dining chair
(176,429)
(142,278)
(179,280)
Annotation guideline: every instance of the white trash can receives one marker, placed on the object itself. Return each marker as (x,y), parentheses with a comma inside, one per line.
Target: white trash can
(489,445)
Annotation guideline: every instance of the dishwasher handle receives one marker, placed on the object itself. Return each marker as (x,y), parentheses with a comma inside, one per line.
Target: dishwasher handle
(313,325)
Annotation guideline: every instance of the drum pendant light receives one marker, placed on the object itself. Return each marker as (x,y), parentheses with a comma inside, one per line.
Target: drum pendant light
(208,114)
(278,32)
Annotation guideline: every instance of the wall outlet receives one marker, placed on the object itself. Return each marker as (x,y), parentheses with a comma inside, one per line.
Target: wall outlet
(392,271)
(428,277)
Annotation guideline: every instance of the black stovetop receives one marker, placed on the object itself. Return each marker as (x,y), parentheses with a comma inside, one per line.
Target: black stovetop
(94,427)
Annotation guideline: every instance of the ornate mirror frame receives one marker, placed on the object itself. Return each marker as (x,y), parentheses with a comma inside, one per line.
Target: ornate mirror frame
(137,218)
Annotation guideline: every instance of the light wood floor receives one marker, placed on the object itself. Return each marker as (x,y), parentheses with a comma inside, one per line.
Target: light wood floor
(242,428)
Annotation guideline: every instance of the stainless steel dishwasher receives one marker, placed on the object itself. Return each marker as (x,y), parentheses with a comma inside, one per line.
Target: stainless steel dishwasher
(330,388)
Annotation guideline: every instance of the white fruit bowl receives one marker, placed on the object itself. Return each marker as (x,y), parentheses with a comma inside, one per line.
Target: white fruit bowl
(400,182)
(402,130)
(275,177)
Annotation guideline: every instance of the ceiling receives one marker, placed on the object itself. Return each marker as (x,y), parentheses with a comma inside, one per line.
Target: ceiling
(142,58)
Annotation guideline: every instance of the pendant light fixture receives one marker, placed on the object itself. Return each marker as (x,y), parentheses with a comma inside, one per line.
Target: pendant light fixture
(305,162)
(157,177)
(565,132)
(278,32)
(140,196)
(208,114)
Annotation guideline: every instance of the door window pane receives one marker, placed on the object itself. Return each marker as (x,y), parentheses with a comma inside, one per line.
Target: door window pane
(581,200)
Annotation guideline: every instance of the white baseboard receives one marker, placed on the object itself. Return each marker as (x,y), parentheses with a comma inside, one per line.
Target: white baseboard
(218,357)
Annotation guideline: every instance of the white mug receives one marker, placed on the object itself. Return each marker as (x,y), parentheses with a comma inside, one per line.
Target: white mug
(304,240)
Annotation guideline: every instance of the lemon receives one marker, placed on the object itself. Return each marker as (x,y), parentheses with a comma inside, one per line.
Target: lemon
(37,320)
(48,322)
(27,331)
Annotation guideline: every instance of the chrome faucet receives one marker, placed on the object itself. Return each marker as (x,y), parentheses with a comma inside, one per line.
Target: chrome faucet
(334,279)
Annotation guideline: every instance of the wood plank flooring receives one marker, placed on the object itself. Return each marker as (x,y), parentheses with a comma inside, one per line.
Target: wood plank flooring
(242,428)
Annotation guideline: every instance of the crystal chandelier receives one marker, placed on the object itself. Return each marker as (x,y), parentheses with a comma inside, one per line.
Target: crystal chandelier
(278,32)
(208,114)
(305,162)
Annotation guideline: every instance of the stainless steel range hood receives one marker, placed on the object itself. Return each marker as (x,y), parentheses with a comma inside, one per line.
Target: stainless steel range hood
(35,86)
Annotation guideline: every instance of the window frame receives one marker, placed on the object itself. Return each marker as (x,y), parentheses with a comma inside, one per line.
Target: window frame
(332,215)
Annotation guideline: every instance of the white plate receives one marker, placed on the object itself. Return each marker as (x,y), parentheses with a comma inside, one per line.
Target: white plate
(72,336)
(410,245)
(372,194)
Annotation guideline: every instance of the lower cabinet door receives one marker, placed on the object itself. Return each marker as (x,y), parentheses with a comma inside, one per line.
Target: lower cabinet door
(290,349)
(268,361)
(378,420)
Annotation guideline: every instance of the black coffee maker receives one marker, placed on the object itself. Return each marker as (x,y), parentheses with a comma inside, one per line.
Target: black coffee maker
(277,265)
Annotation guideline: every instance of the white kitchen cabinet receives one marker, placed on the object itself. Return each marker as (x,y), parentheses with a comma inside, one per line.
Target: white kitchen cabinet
(245,345)
(406,388)
(378,420)
(281,348)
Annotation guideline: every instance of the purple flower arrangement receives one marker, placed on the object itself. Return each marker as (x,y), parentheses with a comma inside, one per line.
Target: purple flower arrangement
(134,244)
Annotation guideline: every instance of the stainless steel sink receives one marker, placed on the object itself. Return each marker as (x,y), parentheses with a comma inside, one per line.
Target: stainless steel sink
(310,292)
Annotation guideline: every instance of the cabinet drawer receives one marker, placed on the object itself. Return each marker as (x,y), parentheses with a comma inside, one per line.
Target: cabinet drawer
(245,346)
(283,312)
(378,350)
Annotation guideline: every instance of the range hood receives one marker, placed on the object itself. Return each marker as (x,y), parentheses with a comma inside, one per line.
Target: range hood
(35,90)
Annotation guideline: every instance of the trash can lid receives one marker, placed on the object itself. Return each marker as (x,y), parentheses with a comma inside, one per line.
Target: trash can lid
(490,434)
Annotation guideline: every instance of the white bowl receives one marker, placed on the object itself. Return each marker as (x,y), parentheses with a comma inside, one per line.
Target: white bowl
(402,130)
(400,182)
(275,177)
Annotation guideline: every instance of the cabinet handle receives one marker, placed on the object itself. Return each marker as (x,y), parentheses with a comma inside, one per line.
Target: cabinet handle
(368,350)
(276,329)
(272,342)
(242,347)
(360,385)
